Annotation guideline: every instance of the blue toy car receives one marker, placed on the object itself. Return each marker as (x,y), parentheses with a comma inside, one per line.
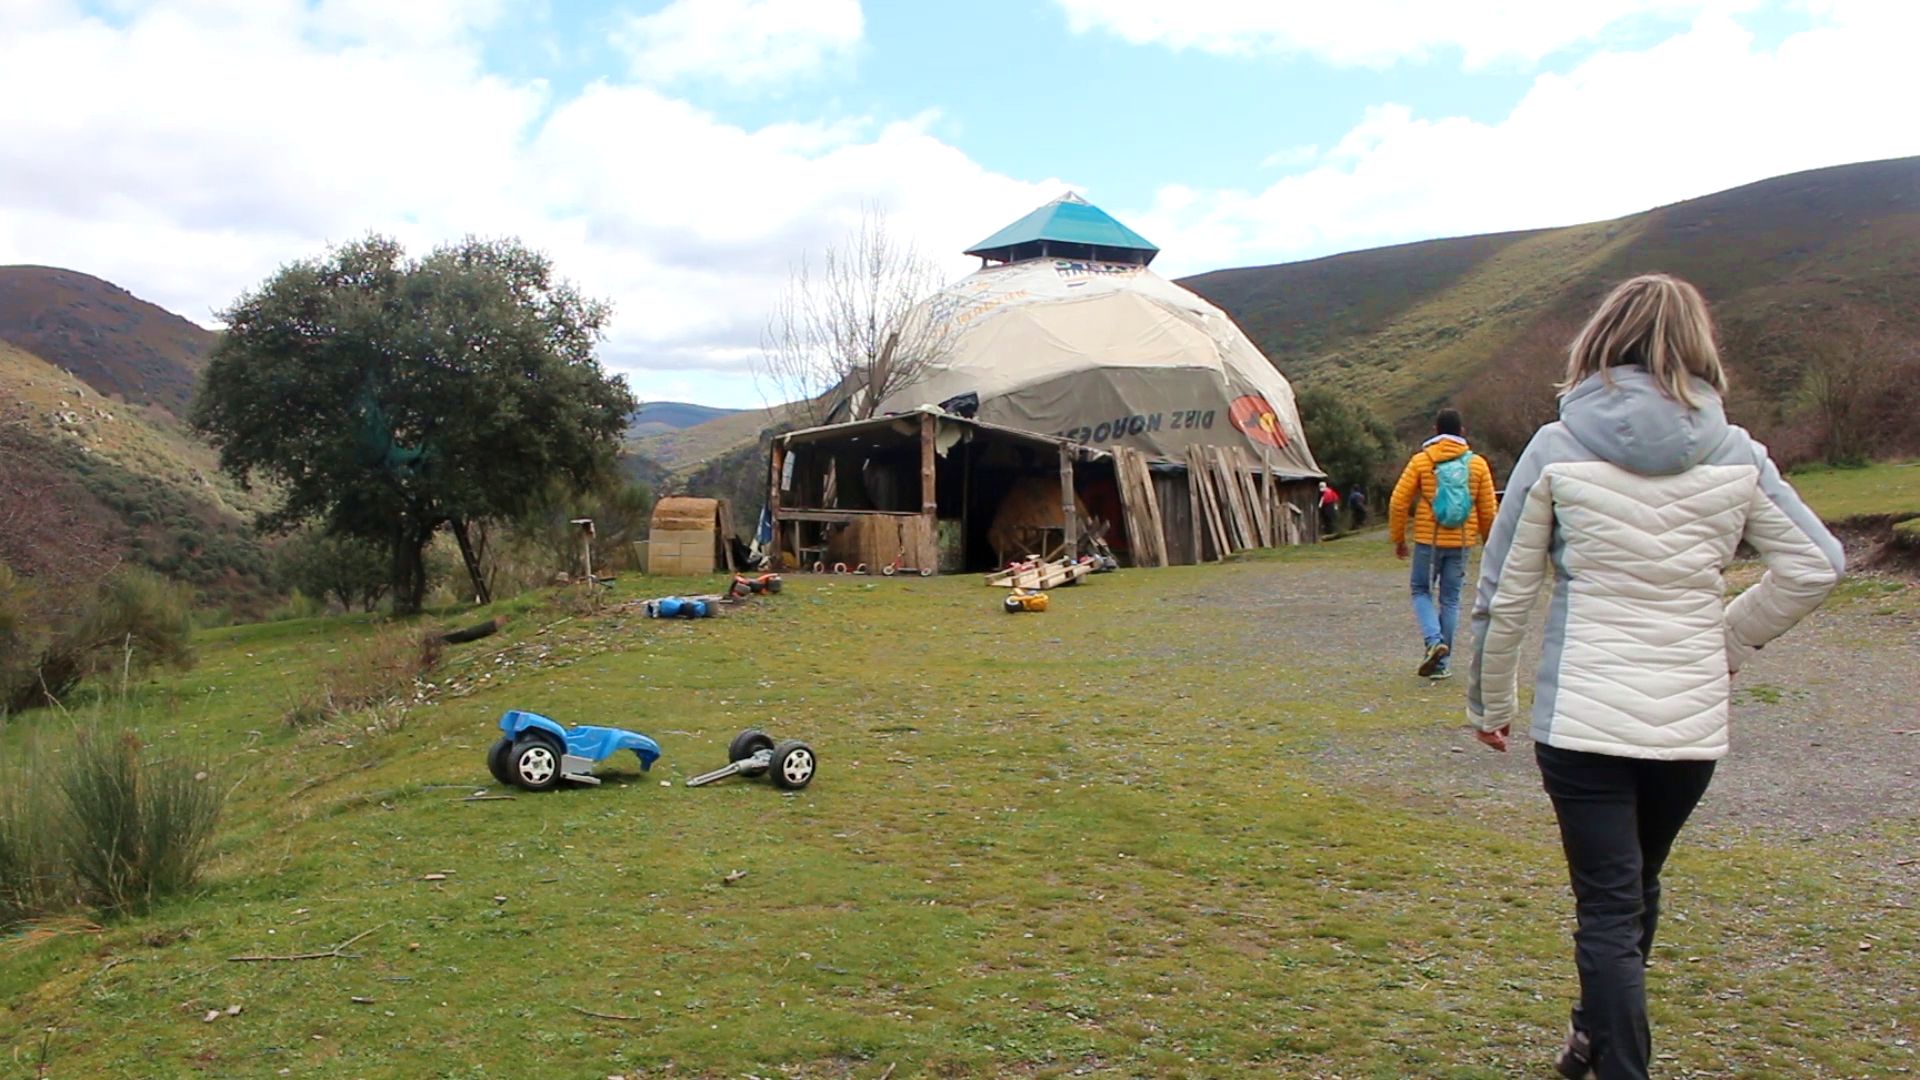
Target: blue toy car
(537,753)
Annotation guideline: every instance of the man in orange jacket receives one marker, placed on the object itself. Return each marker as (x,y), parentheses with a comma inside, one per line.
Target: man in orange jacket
(1447,491)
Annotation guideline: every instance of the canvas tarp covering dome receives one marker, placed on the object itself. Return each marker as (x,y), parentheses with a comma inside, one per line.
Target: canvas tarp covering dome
(1107,354)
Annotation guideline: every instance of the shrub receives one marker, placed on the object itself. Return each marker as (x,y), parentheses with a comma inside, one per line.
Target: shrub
(1349,440)
(33,879)
(132,620)
(105,823)
(136,826)
(352,571)
(298,605)
(371,684)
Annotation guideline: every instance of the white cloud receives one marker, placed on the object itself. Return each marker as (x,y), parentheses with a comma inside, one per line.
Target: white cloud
(742,42)
(190,149)
(1621,132)
(1371,32)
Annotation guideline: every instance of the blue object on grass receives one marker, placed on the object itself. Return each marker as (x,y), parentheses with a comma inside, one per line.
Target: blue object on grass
(593,743)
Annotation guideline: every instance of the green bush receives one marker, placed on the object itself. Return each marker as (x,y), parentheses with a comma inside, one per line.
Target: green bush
(136,825)
(298,605)
(133,619)
(371,683)
(105,823)
(1351,443)
(33,879)
(352,571)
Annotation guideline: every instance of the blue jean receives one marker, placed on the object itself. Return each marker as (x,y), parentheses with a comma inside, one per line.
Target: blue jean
(1445,566)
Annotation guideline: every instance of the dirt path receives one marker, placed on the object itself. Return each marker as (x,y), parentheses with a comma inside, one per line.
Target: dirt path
(1816,750)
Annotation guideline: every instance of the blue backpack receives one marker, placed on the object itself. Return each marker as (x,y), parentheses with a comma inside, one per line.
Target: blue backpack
(1452,491)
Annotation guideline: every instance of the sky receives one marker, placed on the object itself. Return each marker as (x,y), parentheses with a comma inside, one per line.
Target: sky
(678,158)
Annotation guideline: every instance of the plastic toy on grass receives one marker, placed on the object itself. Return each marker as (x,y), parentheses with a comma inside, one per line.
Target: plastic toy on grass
(679,607)
(745,585)
(790,763)
(537,753)
(1020,600)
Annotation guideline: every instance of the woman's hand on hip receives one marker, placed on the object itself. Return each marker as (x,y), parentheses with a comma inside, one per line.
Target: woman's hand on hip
(1497,739)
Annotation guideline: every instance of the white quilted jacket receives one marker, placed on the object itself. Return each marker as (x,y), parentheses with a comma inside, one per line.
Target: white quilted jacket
(1631,506)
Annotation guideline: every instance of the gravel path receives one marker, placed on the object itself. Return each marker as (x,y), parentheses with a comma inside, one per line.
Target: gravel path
(1815,744)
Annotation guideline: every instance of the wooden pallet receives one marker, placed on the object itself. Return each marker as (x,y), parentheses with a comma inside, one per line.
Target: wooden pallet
(1050,575)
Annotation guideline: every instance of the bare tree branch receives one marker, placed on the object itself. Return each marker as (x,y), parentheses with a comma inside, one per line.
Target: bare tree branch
(851,327)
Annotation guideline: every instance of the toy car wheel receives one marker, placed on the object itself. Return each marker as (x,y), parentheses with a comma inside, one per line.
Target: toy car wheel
(793,765)
(1012,605)
(498,761)
(534,763)
(745,745)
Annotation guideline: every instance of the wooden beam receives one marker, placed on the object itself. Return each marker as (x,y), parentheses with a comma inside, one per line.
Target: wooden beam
(1155,525)
(1127,501)
(1243,470)
(1067,516)
(929,502)
(1193,513)
(773,481)
(841,517)
(1230,488)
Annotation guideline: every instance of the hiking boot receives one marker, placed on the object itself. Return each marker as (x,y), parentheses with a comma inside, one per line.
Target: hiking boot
(1576,1058)
(1436,659)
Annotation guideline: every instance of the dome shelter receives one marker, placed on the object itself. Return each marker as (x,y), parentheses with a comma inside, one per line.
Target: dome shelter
(1064,331)
(1074,402)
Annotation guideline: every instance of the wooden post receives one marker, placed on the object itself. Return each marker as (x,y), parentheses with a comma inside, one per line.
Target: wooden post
(1069,520)
(929,500)
(1155,526)
(586,547)
(778,459)
(1193,510)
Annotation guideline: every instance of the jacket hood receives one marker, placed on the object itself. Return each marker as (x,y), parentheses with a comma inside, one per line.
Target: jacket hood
(1635,426)
(1444,447)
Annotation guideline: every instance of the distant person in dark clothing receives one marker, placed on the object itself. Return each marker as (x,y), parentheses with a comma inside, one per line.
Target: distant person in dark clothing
(1357,502)
(1329,509)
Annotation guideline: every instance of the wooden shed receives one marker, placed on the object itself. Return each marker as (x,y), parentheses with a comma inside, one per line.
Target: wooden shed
(688,536)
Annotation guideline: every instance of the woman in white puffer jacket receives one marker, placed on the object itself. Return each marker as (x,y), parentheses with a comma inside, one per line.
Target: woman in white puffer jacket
(1631,506)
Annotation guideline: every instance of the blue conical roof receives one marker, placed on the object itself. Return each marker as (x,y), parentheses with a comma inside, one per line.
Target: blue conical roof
(1068,226)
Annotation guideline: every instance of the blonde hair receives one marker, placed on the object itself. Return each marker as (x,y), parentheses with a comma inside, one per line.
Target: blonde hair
(1657,322)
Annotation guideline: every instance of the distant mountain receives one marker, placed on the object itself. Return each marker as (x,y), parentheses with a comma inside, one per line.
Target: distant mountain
(1784,262)
(113,341)
(656,417)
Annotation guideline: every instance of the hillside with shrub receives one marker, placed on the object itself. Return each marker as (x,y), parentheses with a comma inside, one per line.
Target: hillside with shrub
(1814,278)
(90,478)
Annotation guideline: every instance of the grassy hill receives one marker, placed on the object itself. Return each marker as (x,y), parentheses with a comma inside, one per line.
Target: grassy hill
(1405,328)
(115,342)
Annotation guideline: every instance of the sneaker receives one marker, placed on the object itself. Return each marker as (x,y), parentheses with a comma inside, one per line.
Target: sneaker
(1436,659)
(1576,1058)
(1443,673)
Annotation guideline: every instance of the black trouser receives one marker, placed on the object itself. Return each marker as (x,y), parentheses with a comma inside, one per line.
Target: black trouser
(1618,819)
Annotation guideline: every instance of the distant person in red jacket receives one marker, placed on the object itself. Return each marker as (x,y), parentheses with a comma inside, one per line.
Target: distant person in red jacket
(1329,509)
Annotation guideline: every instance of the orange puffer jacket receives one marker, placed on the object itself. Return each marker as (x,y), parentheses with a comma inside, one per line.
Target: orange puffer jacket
(1413,497)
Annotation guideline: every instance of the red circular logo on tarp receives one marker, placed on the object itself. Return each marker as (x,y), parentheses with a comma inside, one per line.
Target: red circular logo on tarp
(1257,420)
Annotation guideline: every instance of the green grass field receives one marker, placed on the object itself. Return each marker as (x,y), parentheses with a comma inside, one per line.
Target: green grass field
(1886,488)
(1085,842)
